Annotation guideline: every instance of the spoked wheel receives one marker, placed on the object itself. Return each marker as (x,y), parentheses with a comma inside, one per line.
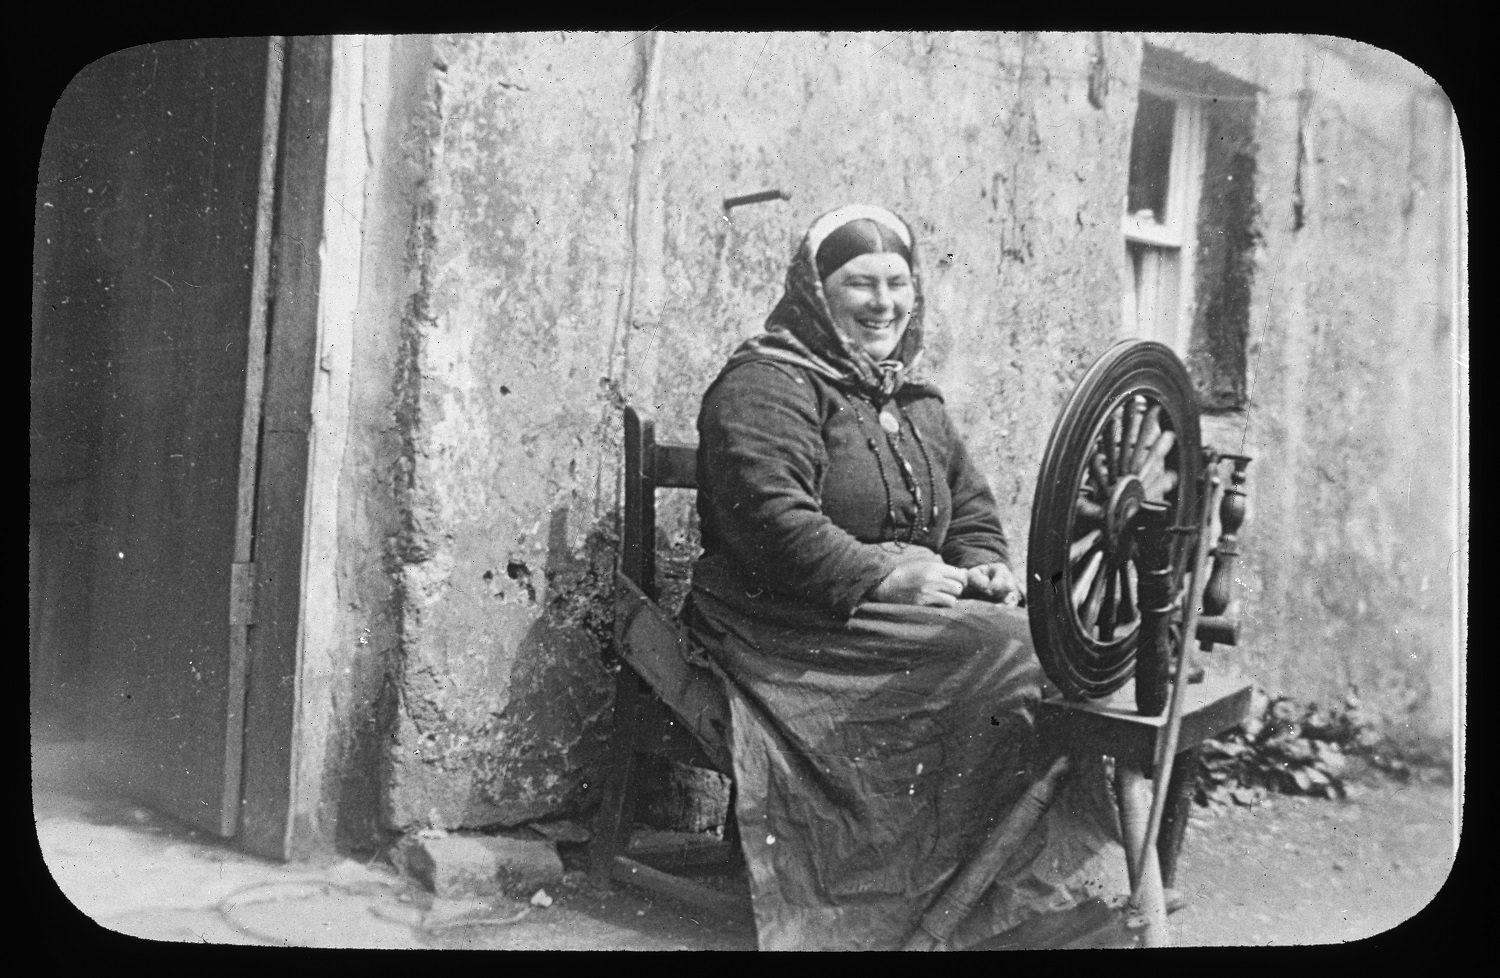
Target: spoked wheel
(1127,442)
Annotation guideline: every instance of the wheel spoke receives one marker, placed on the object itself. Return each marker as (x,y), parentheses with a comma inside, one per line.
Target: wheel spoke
(1127,592)
(1159,485)
(1133,416)
(1159,448)
(1101,474)
(1092,606)
(1127,620)
(1115,444)
(1083,582)
(1151,471)
(1109,608)
(1091,484)
(1088,510)
(1150,431)
(1083,546)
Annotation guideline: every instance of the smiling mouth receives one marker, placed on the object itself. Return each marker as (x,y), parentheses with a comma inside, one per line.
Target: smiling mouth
(876,324)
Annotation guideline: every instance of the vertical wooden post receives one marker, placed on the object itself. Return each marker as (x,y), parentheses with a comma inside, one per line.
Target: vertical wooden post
(612,825)
(1226,550)
(242,568)
(1157,599)
(638,535)
(282,480)
(1180,791)
(638,563)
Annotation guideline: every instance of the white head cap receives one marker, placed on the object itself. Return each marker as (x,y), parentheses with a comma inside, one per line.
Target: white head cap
(835,219)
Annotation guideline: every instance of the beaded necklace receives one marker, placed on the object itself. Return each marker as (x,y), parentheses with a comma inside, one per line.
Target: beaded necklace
(890,422)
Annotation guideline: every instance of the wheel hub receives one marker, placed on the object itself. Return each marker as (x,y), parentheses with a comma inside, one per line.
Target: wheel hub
(1119,519)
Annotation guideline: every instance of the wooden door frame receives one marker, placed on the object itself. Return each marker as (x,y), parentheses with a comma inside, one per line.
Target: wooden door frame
(242,568)
(273,611)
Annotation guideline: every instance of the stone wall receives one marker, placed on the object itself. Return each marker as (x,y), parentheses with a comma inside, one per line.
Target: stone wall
(567,250)
(1350,548)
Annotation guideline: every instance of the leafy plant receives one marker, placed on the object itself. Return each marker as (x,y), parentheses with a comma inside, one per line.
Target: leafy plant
(1295,749)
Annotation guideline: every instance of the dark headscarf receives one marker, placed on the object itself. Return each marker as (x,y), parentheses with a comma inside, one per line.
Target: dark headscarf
(800,328)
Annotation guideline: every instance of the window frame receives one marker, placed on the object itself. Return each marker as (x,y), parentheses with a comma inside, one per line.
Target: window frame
(1168,246)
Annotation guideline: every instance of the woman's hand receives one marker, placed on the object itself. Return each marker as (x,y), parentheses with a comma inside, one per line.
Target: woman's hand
(928,582)
(994,582)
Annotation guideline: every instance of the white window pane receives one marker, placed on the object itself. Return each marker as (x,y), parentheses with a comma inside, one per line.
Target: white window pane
(1155,274)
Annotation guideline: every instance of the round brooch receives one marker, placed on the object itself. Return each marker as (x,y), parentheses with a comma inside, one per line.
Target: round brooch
(889,423)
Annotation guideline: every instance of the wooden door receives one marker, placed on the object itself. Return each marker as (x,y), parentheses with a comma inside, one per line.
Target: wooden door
(167,144)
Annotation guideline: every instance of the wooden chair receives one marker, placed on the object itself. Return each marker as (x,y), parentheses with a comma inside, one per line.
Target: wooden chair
(668,702)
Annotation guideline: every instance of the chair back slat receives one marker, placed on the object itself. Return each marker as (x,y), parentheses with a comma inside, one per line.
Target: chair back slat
(676,466)
(649,467)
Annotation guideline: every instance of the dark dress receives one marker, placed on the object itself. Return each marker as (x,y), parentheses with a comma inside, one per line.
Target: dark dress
(875,745)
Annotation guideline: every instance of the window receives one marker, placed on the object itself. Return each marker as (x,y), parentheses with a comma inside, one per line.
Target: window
(1161,210)
(1189,220)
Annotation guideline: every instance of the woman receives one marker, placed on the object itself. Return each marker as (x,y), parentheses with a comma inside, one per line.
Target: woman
(855,593)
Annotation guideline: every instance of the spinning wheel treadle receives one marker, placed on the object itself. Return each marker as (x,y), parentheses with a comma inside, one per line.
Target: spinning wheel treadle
(1124,453)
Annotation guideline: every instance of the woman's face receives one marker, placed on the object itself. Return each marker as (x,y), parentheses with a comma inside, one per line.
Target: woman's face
(871,297)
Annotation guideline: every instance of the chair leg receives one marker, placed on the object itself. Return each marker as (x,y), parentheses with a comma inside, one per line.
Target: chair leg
(612,824)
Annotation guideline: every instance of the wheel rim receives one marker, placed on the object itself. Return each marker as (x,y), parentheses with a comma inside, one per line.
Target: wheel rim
(1127,435)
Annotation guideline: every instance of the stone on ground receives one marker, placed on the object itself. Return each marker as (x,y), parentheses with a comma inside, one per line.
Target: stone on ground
(460,865)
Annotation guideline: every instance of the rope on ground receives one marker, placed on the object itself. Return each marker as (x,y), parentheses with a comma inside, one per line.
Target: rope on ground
(309,889)
(238,898)
(448,925)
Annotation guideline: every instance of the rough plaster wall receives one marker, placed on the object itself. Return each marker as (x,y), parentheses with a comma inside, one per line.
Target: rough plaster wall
(1376,472)
(1013,197)
(1348,566)
(519,363)
(521,247)
(517,348)
(350,680)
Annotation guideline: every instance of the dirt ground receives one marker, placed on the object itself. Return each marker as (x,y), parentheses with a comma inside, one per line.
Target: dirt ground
(1294,872)
(1304,870)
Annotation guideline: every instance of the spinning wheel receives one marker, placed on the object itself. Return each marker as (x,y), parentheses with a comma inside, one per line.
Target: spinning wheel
(1124,453)
(1116,569)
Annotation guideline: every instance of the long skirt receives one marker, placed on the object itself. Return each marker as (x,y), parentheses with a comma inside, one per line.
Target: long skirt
(874,755)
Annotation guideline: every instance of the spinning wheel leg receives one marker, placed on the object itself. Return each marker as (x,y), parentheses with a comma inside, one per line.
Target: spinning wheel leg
(1174,821)
(1133,790)
(1135,810)
(1134,814)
